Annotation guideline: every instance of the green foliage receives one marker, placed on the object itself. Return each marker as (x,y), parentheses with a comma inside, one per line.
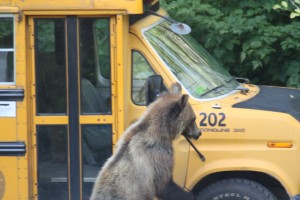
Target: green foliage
(248,37)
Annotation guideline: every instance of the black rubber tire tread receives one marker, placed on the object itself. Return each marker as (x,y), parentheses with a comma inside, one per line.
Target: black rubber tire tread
(235,189)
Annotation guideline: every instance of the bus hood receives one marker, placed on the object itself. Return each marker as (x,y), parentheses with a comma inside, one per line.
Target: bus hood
(285,100)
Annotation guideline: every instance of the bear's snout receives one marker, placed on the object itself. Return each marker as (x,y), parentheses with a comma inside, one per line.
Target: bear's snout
(197,135)
(192,131)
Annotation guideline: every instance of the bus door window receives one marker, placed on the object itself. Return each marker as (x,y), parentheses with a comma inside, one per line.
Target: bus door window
(95,65)
(50,67)
(53,163)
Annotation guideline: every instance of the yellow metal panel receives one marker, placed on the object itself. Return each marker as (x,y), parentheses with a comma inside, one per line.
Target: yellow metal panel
(8,86)
(8,9)
(9,178)
(23,116)
(8,129)
(248,150)
(52,4)
(2,184)
(96,119)
(56,13)
(181,157)
(5,2)
(51,120)
(32,167)
(130,6)
(119,75)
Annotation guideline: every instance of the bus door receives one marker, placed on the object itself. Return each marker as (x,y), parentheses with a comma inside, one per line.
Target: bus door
(73,116)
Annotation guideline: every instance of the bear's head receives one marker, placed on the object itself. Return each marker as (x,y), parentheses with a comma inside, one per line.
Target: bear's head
(175,114)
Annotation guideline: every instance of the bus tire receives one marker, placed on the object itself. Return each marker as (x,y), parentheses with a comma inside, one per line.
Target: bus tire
(235,189)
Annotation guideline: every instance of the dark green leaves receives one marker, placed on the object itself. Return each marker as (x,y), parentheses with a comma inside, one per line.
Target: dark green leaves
(249,37)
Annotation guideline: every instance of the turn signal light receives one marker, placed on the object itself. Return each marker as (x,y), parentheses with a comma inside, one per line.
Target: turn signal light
(280,144)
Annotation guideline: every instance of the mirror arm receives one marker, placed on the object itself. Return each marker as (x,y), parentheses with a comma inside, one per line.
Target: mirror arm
(158,15)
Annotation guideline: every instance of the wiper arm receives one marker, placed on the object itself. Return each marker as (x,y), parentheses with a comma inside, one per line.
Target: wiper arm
(242,80)
(244,90)
(211,90)
(239,79)
(240,87)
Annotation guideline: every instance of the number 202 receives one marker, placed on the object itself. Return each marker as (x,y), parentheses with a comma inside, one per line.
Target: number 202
(212,119)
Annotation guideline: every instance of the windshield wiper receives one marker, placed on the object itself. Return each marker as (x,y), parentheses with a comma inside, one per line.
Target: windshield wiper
(240,87)
(244,90)
(239,79)
(211,90)
(242,80)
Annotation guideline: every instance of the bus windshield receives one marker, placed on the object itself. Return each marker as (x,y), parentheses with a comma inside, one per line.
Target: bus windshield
(200,74)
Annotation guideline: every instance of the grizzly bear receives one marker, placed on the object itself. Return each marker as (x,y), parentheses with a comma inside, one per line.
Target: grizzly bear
(142,166)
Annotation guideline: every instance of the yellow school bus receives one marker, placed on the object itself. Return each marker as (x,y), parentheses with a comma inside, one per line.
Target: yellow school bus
(75,73)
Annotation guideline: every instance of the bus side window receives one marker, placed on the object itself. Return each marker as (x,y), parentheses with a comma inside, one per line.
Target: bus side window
(141,70)
(7,71)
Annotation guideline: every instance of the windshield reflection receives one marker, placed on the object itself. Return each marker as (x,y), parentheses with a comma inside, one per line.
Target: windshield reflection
(197,71)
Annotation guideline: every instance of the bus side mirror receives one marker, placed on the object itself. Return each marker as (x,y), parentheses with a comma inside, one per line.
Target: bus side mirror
(154,88)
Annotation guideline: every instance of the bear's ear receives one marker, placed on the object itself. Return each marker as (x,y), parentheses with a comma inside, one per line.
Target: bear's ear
(176,88)
(183,101)
(178,105)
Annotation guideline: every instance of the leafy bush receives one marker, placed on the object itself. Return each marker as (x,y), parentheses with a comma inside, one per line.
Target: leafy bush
(248,37)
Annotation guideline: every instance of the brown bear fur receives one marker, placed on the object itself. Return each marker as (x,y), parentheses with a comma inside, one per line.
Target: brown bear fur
(142,167)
